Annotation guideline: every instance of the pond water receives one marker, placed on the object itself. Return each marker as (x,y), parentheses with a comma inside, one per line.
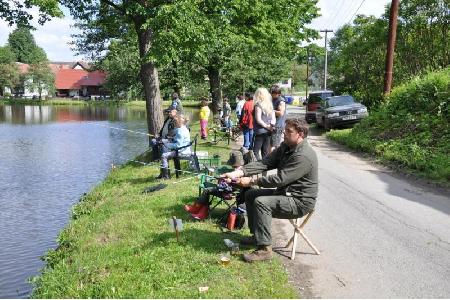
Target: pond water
(49,157)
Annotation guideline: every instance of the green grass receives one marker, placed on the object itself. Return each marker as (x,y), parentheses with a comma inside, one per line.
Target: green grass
(405,153)
(118,245)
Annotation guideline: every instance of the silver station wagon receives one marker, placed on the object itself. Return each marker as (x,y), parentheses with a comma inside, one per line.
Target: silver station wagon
(339,111)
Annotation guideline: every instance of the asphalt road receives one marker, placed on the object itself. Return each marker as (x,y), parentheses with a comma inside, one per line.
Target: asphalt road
(381,235)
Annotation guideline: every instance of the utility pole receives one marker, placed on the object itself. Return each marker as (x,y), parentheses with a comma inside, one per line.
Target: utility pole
(391,46)
(326,57)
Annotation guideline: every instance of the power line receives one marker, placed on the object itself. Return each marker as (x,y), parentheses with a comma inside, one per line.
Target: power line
(338,20)
(336,12)
(362,2)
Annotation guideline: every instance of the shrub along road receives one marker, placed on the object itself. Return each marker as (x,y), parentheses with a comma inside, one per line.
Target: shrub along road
(381,235)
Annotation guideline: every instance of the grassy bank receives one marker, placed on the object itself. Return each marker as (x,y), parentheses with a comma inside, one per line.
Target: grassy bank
(118,245)
(411,130)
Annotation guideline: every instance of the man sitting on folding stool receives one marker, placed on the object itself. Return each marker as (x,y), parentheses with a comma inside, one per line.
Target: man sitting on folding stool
(296,183)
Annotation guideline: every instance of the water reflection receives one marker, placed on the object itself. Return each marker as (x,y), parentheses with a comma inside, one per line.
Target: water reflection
(49,157)
(34,114)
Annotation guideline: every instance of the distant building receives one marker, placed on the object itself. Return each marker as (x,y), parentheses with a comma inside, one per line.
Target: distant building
(285,84)
(72,79)
(79,83)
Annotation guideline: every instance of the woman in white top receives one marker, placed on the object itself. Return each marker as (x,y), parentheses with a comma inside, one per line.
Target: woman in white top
(264,120)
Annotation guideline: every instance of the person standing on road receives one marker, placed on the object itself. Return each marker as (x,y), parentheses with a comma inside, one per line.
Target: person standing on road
(279,106)
(176,104)
(296,183)
(263,122)
(239,106)
(226,113)
(246,121)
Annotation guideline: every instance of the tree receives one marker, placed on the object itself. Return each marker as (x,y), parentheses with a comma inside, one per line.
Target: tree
(267,33)
(23,45)
(423,37)
(356,59)
(121,63)
(39,78)
(9,72)
(9,76)
(7,55)
(17,12)
(257,37)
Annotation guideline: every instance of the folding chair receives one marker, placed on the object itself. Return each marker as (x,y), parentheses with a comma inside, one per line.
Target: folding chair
(298,229)
(216,198)
(193,159)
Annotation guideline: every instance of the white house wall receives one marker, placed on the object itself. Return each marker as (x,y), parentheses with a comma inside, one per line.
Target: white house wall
(74,93)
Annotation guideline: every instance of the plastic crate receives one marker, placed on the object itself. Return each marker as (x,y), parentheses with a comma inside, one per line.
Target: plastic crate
(209,161)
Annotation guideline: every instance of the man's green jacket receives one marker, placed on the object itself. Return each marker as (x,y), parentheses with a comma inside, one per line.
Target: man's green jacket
(297,172)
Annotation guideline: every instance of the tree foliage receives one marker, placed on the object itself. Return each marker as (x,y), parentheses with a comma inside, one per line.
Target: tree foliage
(121,63)
(9,72)
(18,12)
(23,45)
(7,55)
(39,78)
(9,76)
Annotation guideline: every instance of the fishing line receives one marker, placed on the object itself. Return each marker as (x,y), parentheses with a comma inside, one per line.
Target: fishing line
(136,161)
(156,164)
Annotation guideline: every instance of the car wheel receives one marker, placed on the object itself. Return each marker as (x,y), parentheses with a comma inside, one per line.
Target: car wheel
(327,124)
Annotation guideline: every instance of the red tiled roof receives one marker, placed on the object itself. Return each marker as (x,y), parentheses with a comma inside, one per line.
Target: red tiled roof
(95,78)
(72,79)
(69,79)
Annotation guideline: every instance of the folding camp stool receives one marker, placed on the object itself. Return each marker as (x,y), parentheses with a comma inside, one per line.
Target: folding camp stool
(298,229)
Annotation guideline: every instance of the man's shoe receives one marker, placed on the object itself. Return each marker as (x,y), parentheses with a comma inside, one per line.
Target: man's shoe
(248,241)
(261,254)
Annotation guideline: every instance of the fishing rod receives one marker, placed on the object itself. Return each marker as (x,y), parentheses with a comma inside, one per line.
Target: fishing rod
(140,162)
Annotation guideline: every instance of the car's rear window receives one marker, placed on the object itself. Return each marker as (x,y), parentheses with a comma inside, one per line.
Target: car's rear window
(316,98)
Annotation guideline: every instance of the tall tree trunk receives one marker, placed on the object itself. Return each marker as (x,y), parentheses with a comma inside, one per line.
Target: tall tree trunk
(150,82)
(216,90)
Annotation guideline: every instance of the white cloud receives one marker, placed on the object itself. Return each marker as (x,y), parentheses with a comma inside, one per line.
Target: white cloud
(54,36)
(335,13)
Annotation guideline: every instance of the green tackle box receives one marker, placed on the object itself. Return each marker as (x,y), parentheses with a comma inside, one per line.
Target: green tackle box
(210,161)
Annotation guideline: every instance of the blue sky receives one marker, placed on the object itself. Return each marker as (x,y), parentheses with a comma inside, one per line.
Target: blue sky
(55,35)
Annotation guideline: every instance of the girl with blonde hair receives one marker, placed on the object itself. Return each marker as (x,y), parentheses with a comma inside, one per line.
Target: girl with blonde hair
(263,122)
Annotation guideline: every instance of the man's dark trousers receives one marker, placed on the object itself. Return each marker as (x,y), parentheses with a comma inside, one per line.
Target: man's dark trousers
(262,205)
